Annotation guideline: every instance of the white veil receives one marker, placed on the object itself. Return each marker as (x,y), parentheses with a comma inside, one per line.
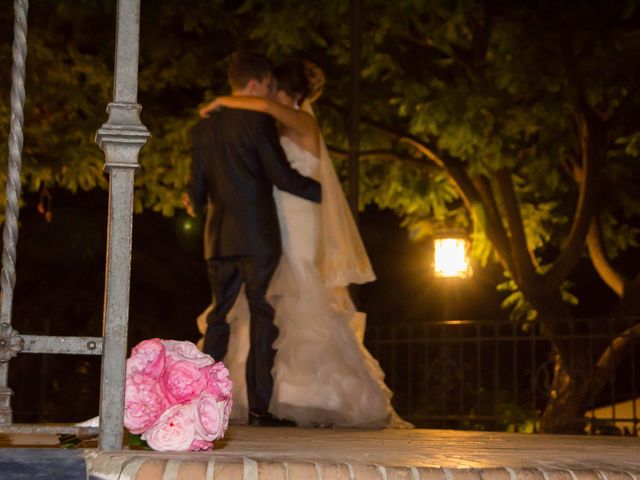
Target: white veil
(342,258)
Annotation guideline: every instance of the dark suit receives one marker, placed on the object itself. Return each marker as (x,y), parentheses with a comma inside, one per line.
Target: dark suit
(236,161)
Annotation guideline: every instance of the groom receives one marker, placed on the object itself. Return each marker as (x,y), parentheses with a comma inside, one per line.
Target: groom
(236,161)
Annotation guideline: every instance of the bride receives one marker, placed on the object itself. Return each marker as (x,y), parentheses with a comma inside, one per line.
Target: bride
(323,375)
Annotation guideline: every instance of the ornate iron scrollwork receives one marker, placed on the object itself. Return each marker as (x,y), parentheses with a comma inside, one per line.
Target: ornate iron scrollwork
(11,343)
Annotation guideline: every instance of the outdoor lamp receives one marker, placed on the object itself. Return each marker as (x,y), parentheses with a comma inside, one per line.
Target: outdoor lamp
(450,255)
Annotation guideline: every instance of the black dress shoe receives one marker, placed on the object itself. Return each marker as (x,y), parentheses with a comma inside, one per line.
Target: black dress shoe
(268,420)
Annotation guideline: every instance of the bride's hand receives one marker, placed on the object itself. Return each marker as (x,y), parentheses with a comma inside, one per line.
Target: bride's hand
(204,111)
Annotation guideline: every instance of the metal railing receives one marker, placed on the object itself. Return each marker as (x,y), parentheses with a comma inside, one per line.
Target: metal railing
(496,375)
(121,138)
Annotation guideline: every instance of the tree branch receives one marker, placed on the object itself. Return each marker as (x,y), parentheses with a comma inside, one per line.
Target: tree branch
(524,270)
(389,130)
(379,153)
(484,189)
(591,140)
(494,220)
(614,279)
(630,302)
(611,357)
(427,152)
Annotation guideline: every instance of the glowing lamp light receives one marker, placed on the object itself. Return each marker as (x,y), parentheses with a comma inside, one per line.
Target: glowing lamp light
(450,257)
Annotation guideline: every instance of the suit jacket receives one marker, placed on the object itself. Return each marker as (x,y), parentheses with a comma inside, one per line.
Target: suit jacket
(236,161)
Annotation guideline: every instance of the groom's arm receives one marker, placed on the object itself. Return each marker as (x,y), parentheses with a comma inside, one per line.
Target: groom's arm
(280,172)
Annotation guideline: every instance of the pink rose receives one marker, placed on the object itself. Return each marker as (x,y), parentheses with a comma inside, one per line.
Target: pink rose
(177,397)
(183,381)
(144,402)
(210,417)
(147,358)
(186,351)
(218,382)
(201,445)
(174,431)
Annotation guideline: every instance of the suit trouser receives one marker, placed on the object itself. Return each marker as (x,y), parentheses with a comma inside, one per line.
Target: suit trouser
(226,276)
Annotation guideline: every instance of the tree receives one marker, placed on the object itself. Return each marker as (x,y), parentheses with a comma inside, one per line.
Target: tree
(521,120)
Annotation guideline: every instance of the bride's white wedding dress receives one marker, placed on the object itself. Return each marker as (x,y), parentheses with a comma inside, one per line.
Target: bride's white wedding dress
(323,375)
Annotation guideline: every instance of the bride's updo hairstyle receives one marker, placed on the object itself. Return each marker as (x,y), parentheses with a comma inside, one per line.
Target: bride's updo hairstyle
(301,78)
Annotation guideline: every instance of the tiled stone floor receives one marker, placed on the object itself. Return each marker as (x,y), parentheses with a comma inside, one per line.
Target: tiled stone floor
(295,453)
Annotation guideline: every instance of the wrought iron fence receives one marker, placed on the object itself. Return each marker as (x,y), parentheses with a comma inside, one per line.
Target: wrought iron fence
(496,375)
(120,137)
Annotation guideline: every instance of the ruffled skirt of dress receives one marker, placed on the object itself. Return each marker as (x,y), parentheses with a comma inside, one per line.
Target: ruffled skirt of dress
(323,374)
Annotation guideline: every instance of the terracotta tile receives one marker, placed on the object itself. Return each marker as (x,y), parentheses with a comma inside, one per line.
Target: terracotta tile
(228,471)
(192,471)
(271,471)
(431,474)
(302,470)
(151,470)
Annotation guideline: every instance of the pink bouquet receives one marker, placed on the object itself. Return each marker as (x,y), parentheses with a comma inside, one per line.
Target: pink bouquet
(177,397)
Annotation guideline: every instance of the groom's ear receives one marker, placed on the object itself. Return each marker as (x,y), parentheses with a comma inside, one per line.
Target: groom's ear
(251,86)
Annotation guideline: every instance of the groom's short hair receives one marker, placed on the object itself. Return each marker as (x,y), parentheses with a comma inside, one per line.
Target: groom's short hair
(246,66)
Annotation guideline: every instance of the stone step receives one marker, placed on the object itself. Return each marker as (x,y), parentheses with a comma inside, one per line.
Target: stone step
(42,464)
(259,453)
